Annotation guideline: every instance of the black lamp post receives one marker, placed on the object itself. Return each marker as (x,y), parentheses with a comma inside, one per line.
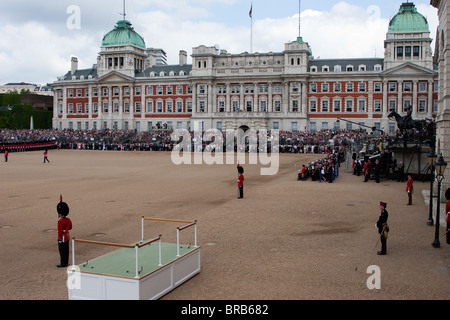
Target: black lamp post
(431,160)
(440,166)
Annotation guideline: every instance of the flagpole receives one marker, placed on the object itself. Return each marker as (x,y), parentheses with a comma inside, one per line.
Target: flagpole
(251,27)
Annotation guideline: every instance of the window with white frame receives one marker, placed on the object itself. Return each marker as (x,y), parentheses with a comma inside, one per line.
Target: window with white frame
(312,106)
(392,86)
(79,108)
(179,106)
(422,105)
(406,104)
(337,105)
(169,106)
(361,105)
(325,105)
(116,106)
(70,108)
(277,105)
(377,87)
(407,87)
(149,106)
(235,104)
(126,107)
(392,105)
(295,106)
(325,87)
(362,87)
(422,87)
(349,87)
(263,106)
(137,107)
(337,87)
(221,106)
(377,106)
(349,105)
(313,87)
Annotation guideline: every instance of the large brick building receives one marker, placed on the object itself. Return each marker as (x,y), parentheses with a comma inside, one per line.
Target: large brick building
(287,90)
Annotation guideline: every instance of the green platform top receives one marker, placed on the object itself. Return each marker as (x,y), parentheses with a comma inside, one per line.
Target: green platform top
(123,34)
(408,19)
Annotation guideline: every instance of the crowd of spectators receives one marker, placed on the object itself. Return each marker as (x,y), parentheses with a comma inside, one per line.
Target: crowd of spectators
(319,142)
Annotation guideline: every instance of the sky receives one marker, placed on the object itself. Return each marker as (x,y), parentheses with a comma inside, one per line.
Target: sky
(38,38)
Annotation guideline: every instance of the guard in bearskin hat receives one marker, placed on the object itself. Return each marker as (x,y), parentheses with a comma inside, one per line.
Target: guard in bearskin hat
(240,181)
(64,225)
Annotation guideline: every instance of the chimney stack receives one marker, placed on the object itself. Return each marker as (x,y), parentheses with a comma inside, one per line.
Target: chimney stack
(74,65)
(183,57)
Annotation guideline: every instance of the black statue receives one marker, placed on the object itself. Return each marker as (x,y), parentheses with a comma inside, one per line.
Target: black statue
(407,122)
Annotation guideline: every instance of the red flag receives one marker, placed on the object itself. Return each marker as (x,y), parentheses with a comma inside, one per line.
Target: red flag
(250,12)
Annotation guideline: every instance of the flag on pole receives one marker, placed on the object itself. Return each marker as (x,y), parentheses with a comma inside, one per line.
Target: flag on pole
(250,12)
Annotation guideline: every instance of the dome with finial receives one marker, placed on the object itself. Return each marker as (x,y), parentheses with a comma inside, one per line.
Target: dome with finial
(123,34)
(408,19)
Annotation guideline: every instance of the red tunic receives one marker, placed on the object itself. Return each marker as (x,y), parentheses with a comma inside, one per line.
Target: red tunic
(241,180)
(409,185)
(64,225)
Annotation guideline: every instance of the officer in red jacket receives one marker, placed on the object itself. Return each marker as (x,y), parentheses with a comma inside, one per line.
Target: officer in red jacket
(64,225)
(410,189)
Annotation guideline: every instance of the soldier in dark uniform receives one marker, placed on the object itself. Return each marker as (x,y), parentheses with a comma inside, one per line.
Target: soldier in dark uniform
(377,170)
(383,228)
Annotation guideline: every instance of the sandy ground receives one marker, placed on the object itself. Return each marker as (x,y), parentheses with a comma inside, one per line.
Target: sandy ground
(286,239)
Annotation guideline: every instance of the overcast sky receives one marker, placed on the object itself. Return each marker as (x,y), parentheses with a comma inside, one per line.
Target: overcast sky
(38,38)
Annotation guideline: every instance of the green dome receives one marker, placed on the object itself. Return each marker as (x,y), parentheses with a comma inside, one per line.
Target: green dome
(408,19)
(123,34)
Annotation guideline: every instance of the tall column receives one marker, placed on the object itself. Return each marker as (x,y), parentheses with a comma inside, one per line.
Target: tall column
(415,105)
(270,102)
(285,97)
(241,102)
(400,97)
(304,99)
(255,97)
(194,99)
(227,102)
(430,104)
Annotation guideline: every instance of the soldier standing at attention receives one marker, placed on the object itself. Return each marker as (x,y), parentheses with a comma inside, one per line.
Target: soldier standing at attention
(409,189)
(240,181)
(64,225)
(383,228)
